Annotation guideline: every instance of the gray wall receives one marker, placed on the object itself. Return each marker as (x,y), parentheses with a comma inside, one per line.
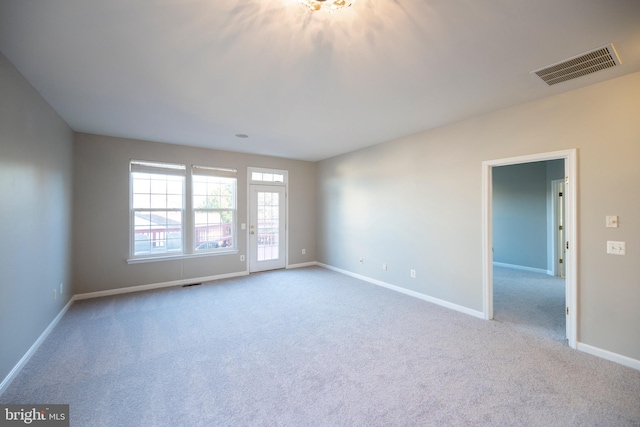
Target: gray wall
(101,212)
(416,202)
(522,214)
(35,215)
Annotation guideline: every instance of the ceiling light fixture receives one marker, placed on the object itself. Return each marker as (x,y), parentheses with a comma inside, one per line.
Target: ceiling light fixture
(325,5)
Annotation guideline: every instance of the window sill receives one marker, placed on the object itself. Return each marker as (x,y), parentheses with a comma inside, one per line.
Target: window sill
(141,260)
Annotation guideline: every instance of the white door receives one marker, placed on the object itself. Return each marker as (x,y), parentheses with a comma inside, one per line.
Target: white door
(267,228)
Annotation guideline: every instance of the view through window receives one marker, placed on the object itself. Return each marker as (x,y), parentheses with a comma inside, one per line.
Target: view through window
(159,218)
(214,204)
(157,205)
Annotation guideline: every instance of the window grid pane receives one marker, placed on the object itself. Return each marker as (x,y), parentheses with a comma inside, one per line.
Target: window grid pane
(267,177)
(157,232)
(268,226)
(214,203)
(157,203)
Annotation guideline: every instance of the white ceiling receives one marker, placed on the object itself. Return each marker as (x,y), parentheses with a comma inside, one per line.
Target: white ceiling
(302,85)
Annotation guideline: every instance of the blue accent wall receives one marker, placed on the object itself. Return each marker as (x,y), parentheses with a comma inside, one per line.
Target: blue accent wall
(522,216)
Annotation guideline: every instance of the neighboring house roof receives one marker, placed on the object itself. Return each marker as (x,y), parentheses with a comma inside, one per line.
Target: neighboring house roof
(154,219)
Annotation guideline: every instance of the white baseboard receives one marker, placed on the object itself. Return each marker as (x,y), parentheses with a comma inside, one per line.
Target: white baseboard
(524,268)
(139,288)
(302,265)
(609,355)
(23,361)
(595,351)
(409,292)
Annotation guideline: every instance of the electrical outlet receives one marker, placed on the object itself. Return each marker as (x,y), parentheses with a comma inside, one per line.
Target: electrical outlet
(413,274)
(384,266)
(612,221)
(304,252)
(241,258)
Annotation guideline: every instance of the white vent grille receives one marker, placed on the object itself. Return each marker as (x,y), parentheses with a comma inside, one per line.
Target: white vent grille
(578,66)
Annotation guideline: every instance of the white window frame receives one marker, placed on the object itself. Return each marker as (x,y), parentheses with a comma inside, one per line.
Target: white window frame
(188,212)
(160,168)
(285,184)
(252,170)
(197,170)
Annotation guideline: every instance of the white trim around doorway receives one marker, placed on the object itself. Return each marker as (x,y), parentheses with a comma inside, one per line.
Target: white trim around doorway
(281,183)
(571,187)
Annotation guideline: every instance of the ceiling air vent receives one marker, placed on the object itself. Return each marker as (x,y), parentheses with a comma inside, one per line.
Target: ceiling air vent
(581,65)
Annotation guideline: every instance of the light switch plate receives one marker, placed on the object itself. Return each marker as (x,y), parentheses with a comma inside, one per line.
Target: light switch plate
(612,221)
(616,248)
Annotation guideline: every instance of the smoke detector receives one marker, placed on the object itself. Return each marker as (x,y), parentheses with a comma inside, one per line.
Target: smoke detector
(580,65)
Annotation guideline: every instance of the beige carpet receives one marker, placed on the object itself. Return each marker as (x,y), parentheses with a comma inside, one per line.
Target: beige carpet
(312,347)
(532,301)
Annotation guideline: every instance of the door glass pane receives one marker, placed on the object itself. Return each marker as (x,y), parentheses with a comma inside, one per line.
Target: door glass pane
(268,226)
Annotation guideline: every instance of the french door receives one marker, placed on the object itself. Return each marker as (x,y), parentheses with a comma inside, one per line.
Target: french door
(267,228)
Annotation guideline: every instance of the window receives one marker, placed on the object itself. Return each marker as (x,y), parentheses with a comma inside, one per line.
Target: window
(214,208)
(267,177)
(164,205)
(157,208)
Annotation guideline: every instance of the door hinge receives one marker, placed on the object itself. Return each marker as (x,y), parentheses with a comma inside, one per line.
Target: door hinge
(567,245)
(566,179)
(560,261)
(559,227)
(560,194)
(567,311)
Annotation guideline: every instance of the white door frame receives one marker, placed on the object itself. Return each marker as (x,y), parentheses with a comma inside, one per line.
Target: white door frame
(285,184)
(571,266)
(256,265)
(558,214)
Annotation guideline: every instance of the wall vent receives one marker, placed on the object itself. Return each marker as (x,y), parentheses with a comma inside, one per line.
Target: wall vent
(191,284)
(578,66)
